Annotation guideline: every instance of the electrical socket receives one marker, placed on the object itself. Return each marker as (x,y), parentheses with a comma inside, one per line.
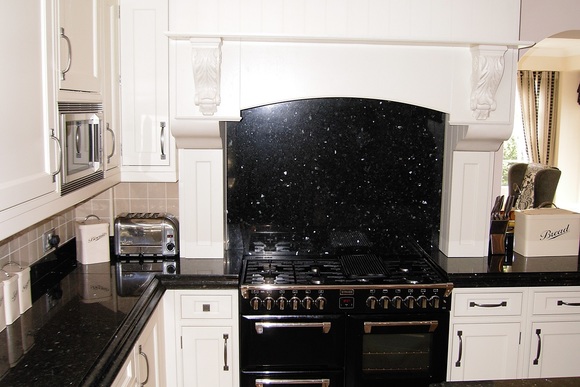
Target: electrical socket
(46,237)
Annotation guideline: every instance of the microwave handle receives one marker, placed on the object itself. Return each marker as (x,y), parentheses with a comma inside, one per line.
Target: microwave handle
(53,137)
(69,62)
(94,133)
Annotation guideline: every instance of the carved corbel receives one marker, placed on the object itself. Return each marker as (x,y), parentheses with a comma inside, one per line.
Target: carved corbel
(488,67)
(206,60)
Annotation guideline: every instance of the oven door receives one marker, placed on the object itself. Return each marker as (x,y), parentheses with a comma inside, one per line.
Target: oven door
(288,350)
(400,350)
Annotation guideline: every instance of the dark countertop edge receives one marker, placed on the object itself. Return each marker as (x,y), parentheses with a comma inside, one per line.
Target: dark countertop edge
(477,280)
(110,361)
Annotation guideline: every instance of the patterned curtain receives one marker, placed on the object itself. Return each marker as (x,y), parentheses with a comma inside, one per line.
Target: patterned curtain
(538,96)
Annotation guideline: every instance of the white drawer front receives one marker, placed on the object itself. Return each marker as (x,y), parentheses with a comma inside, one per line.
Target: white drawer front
(557,303)
(206,306)
(488,304)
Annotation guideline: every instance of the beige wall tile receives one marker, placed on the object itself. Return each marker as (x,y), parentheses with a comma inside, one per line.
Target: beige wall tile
(122,190)
(156,190)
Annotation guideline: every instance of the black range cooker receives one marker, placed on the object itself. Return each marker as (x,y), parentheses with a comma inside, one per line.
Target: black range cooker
(330,311)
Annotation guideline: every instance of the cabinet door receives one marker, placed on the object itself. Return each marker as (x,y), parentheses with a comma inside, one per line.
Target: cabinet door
(207,356)
(126,376)
(27,150)
(484,351)
(146,140)
(150,352)
(79,50)
(111,86)
(554,349)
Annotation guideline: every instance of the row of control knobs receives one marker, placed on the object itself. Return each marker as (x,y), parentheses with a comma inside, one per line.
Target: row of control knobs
(293,303)
(398,302)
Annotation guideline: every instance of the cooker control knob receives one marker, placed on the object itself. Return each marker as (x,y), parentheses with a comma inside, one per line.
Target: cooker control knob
(294,303)
(434,301)
(282,301)
(422,302)
(410,302)
(255,303)
(268,303)
(170,246)
(320,303)
(307,303)
(372,302)
(397,301)
(384,302)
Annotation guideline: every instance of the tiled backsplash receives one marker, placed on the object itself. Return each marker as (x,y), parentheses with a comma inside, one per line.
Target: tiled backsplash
(25,247)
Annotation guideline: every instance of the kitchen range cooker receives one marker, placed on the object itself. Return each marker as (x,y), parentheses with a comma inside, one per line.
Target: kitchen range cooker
(327,309)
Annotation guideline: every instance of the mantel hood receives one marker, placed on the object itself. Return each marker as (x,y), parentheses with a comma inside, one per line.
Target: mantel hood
(458,57)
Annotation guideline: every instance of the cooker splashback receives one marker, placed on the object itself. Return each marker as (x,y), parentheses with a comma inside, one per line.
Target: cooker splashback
(338,164)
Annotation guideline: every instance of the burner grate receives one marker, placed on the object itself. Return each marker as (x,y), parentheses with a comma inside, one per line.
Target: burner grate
(362,266)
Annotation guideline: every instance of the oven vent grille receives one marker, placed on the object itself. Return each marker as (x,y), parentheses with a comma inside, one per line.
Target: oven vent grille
(362,266)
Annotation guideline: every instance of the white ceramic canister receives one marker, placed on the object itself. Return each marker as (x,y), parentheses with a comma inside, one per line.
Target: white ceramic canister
(11,299)
(92,241)
(24,294)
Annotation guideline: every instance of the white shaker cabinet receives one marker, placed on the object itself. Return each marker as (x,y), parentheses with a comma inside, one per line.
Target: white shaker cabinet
(79,42)
(553,335)
(111,87)
(148,152)
(145,365)
(484,338)
(206,333)
(28,150)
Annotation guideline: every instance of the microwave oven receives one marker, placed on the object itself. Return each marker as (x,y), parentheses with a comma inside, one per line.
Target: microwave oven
(81,137)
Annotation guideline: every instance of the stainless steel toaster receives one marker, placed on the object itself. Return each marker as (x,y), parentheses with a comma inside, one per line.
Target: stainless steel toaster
(146,234)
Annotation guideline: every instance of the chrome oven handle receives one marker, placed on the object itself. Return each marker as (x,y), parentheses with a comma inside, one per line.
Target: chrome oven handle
(368,325)
(261,325)
(267,382)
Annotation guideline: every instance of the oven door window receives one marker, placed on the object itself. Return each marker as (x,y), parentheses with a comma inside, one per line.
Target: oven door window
(401,349)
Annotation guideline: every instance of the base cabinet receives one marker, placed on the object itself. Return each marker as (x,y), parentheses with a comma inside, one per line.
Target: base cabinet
(145,365)
(206,333)
(514,333)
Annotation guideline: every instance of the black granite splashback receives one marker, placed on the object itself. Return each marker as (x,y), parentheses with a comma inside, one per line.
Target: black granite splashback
(338,163)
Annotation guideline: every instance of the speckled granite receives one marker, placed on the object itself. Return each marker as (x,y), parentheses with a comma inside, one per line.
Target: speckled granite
(338,163)
(552,382)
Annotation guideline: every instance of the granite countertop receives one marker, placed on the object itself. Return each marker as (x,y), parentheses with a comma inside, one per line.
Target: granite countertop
(79,330)
(551,382)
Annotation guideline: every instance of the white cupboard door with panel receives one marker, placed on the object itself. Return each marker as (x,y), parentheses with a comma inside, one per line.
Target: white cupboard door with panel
(29,148)
(79,30)
(207,356)
(126,377)
(111,87)
(555,349)
(484,351)
(148,148)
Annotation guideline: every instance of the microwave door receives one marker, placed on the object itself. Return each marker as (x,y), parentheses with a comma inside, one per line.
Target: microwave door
(78,145)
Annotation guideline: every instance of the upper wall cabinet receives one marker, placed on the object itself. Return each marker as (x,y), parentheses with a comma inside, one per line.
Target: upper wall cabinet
(29,147)
(148,147)
(79,33)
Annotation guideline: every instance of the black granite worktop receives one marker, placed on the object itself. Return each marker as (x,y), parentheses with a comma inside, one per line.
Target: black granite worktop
(79,330)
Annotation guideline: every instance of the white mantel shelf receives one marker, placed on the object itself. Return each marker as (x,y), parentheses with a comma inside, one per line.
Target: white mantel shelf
(345,40)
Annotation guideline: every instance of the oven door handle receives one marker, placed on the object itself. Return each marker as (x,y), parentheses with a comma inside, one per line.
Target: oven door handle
(261,325)
(267,382)
(368,325)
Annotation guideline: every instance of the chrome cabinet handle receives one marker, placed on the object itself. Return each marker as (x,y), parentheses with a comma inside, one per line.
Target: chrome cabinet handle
(226,337)
(163,141)
(560,303)
(267,382)
(63,72)
(146,363)
(261,325)
(460,335)
(368,325)
(53,137)
(114,140)
(539,350)
(475,304)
